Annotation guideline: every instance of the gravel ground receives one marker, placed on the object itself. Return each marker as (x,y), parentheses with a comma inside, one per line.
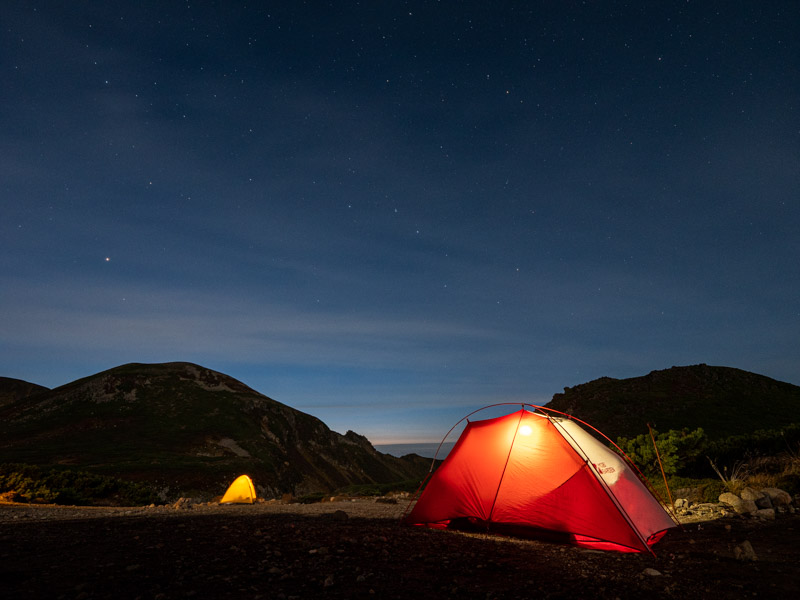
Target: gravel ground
(357,549)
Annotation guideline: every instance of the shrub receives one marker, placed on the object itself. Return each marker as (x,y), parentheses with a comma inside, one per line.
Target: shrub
(710,490)
(761,443)
(676,449)
(379,489)
(312,498)
(26,481)
(789,482)
(58,486)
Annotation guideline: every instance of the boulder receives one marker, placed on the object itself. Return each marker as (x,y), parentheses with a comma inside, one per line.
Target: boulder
(738,504)
(764,502)
(777,496)
(749,493)
(749,507)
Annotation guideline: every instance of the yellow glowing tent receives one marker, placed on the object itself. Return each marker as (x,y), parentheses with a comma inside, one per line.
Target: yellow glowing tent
(241,491)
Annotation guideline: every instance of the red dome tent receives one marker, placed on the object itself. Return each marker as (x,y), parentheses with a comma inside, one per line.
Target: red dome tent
(538,474)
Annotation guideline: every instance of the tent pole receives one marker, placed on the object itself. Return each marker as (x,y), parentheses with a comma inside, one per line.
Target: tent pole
(416,494)
(505,466)
(587,464)
(663,474)
(621,453)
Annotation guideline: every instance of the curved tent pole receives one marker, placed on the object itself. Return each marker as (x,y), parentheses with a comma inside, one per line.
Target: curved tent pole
(622,453)
(415,494)
(436,454)
(505,466)
(609,492)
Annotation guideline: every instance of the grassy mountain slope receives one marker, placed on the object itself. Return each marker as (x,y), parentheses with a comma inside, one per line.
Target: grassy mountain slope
(12,390)
(188,429)
(722,400)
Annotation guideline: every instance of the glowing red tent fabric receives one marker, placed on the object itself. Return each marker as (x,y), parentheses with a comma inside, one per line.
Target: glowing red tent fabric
(532,473)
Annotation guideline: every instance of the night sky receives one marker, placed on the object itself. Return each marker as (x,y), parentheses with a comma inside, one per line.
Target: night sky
(388,214)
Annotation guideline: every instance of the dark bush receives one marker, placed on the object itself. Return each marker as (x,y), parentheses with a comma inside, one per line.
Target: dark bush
(60,486)
(312,498)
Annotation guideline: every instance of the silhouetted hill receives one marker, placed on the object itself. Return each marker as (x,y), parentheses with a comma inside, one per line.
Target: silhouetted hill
(186,429)
(12,390)
(722,400)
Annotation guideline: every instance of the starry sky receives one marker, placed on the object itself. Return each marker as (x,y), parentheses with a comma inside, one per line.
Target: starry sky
(388,214)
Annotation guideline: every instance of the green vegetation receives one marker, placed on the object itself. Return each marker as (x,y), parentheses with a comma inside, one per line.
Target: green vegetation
(702,490)
(380,489)
(676,449)
(363,490)
(763,442)
(765,458)
(29,483)
(313,498)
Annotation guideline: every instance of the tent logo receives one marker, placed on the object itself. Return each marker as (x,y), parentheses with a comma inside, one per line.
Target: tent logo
(603,469)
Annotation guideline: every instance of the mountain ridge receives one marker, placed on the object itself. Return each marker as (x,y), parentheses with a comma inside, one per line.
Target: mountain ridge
(724,401)
(183,427)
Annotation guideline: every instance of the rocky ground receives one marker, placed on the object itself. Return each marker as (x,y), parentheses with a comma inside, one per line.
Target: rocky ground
(357,549)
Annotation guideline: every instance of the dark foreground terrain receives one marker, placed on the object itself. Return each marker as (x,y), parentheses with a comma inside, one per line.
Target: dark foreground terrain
(358,550)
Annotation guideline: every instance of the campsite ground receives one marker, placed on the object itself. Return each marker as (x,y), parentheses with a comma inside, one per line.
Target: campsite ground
(357,550)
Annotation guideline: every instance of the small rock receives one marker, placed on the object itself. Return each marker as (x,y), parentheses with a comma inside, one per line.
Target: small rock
(745,552)
(183,504)
(651,572)
(766,513)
